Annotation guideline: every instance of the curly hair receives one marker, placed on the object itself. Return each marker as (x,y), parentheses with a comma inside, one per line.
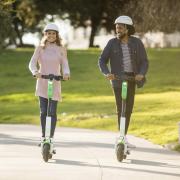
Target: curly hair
(131,29)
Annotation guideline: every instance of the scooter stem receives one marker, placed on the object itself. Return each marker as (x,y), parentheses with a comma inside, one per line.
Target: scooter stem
(124,90)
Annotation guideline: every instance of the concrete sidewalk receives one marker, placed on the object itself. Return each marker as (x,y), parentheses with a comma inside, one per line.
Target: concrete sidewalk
(81,155)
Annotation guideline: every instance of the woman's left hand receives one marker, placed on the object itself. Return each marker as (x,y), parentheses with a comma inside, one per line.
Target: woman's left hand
(139,77)
(66,77)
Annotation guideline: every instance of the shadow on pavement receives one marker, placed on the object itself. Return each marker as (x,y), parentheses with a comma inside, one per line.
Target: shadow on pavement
(111,146)
(31,141)
(84,164)
(156,150)
(153,163)
(11,140)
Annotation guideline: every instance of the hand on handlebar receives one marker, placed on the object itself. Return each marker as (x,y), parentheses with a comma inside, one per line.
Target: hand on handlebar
(66,77)
(110,76)
(139,77)
(37,75)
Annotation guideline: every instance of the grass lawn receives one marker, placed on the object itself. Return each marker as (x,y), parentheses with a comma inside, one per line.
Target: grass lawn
(88,101)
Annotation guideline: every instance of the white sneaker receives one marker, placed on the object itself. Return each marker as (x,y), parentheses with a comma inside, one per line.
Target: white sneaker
(128,144)
(52,140)
(41,141)
(52,144)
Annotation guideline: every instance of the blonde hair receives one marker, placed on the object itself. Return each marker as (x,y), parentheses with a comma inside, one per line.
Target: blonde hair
(43,41)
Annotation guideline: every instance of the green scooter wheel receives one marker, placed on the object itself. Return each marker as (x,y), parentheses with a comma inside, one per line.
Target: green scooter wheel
(120,152)
(46,149)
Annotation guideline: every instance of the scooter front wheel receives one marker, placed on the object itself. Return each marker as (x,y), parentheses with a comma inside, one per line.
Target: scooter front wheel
(120,152)
(46,150)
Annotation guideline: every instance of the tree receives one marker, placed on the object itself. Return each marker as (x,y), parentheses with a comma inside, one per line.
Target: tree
(25,18)
(99,12)
(5,28)
(152,15)
(148,15)
(49,7)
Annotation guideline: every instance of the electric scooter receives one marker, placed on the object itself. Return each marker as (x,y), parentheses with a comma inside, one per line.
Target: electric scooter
(121,148)
(47,144)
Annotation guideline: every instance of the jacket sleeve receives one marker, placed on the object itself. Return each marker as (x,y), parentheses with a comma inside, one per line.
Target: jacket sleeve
(33,62)
(104,59)
(64,62)
(143,59)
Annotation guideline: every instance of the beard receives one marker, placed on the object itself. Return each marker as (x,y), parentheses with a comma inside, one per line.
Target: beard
(121,35)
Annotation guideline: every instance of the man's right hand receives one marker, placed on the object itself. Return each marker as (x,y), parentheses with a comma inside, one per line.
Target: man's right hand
(110,76)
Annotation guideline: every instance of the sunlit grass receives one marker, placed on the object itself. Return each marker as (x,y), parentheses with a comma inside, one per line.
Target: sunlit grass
(155,116)
(88,101)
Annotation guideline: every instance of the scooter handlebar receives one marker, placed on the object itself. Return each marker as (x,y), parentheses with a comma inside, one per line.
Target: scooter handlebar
(124,77)
(52,76)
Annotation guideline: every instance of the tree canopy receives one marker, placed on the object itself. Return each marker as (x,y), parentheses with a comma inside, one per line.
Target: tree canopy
(5,19)
(152,15)
(148,15)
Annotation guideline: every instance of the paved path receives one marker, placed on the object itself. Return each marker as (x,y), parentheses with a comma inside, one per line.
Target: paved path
(81,155)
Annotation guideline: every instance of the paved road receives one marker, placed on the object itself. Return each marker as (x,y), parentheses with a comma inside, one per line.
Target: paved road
(81,155)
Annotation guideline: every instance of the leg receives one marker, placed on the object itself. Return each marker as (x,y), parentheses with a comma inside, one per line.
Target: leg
(53,110)
(43,102)
(117,94)
(129,103)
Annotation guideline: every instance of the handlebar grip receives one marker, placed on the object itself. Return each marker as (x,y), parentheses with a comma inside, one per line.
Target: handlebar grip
(52,76)
(124,77)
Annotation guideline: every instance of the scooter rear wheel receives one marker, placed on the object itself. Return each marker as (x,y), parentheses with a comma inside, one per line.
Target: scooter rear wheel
(120,152)
(46,149)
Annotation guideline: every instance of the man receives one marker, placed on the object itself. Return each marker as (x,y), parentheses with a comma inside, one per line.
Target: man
(126,55)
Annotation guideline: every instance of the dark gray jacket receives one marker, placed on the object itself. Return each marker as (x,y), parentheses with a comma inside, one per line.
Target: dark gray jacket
(112,54)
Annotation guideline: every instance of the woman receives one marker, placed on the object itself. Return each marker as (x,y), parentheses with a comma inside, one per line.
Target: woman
(49,58)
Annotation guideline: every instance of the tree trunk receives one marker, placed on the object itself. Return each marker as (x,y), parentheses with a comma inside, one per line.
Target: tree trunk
(16,23)
(19,34)
(93,32)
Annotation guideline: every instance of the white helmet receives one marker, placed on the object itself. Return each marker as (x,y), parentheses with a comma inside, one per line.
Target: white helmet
(124,20)
(51,26)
